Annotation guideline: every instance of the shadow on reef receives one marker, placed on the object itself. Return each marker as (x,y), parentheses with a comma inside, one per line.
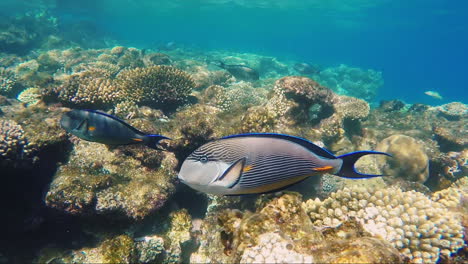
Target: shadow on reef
(29,223)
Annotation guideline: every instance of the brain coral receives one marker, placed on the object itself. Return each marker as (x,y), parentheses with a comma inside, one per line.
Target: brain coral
(409,158)
(155,85)
(420,228)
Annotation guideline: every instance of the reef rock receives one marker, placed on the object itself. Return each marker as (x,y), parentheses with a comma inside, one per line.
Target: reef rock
(103,181)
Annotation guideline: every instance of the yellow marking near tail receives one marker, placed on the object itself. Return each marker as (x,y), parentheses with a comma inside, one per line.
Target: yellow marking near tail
(247,168)
(91,128)
(325,168)
(137,139)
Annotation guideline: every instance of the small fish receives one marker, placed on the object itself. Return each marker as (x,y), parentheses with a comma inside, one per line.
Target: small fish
(241,72)
(262,163)
(106,129)
(433,94)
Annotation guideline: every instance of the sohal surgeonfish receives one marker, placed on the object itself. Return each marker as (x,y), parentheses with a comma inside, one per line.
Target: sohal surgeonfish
(241,72)
(104,128)
(262,163)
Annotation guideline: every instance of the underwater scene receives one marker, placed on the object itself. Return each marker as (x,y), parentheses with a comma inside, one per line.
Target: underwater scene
(234,131)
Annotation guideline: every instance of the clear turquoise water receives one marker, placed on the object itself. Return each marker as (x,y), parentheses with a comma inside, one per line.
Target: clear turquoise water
(419,45)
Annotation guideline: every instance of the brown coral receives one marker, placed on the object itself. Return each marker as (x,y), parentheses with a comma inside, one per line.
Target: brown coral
(163,86)
(409,158)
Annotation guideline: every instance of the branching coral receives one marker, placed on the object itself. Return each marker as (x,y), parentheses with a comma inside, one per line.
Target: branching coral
(8,81)
(160,85)
(14,146)
(89,88)
(418,227)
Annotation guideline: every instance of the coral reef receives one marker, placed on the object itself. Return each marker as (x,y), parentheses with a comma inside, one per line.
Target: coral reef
(8,81)
(453,111)
(164,86)
(409,159)
(103,181)
(89,88)
(351,81)
(30,96)
(421,229)
(14,146)
(281,232)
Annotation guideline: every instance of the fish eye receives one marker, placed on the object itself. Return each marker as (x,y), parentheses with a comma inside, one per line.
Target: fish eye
(203,159)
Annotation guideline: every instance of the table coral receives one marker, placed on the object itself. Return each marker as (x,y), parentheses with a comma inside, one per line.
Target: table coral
(418,227)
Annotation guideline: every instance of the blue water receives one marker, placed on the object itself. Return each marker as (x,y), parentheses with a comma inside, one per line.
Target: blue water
(419,45)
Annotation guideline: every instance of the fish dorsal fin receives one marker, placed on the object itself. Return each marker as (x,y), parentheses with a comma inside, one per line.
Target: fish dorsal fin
(301,141)
(116,119)
(232,174)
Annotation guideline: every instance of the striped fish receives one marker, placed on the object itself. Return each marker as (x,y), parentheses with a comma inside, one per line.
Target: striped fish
(261,163)
(103,128)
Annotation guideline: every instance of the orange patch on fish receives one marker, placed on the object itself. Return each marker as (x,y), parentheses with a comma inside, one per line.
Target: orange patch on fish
(137,139)
(325,168)
(91,128)
(247,168)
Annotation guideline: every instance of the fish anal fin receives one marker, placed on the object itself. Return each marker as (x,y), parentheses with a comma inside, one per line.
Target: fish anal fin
(232,175)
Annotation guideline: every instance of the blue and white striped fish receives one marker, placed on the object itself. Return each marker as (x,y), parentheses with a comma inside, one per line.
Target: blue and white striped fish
(262,163)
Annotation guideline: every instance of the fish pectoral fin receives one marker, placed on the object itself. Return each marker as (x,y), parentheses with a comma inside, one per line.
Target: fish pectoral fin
(137,139)
(91,128)
(324,168)
(232,174)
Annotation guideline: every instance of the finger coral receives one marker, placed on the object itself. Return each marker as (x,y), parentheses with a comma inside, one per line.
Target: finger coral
(420,228)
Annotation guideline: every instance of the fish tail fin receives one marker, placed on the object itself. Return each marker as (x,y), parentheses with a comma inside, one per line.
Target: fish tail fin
(349,160)
(152,141)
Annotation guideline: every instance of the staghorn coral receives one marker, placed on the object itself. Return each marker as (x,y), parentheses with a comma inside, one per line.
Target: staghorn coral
(164,86)
(8,81)
(418,227)
(409,158)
